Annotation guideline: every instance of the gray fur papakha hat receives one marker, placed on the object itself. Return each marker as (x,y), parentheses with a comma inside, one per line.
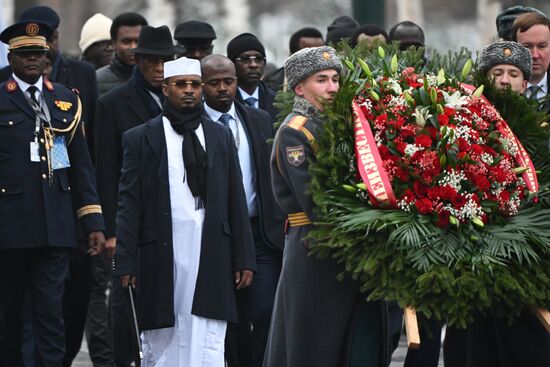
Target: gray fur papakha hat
(308,61)
(506,52)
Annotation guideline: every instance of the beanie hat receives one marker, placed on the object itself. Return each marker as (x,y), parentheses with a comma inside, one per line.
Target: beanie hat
(242,43)
(506,19)
(308,61)
(342,27)
(506,52)
(96,29)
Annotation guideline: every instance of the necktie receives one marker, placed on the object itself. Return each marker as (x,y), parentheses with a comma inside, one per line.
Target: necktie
(33,92)
(534,90)
(225,118)
(251,101)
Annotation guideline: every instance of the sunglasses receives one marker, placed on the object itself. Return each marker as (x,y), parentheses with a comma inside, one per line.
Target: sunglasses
(249,59)
(181,84)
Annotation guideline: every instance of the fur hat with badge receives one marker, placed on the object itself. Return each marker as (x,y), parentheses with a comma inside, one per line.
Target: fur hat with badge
(508,53)
(308,61)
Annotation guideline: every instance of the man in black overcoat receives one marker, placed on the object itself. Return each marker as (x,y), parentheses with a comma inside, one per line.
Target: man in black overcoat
(122,108)
(251,128)
(202,166)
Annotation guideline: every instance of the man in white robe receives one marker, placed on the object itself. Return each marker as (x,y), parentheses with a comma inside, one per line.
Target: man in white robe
(180,172)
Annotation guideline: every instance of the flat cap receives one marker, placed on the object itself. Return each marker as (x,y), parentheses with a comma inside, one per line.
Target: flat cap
(508,53)
(506,19)
(195,30)
(42,14)
(308,61)
(26,36)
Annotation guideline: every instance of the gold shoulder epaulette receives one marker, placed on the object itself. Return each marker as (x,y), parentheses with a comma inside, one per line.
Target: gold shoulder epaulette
(297,122)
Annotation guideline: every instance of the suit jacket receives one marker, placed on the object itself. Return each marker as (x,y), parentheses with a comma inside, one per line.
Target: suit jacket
(144,226)
(34,210)
(118,110)
(78,75)
(259,128)
(265,100)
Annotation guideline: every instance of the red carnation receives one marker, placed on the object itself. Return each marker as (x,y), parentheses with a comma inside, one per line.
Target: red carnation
(459,201)
(423,141)
(447,192)
(424,206)
(419,189)
(443,119)
(482,183)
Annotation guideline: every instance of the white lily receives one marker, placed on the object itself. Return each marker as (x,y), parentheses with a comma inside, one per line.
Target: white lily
(455,100)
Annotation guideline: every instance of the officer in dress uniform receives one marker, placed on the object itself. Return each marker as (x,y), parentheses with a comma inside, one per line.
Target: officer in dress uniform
(317,320)
(46,176)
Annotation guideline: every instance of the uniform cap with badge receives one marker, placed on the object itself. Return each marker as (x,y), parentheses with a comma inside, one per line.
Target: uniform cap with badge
(26,36)
(309,61)
(507,53)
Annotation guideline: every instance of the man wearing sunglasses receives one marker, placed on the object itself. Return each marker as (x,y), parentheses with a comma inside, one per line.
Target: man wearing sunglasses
(184,239)
(248,55)
(128,105)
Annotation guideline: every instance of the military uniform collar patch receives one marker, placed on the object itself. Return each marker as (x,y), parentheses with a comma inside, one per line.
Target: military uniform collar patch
(48,84)
(11,85)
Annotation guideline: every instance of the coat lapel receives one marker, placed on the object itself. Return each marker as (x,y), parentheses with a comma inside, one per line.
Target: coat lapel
(154,134)
(211,137)
(19,99)
(136,103)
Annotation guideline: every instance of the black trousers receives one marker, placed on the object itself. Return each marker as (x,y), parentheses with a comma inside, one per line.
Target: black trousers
(245,345)
(41,272)
(98,326)
(75,301)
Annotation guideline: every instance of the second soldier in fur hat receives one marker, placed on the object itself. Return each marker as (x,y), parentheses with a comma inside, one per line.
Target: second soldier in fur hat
(307,283)
(508,64)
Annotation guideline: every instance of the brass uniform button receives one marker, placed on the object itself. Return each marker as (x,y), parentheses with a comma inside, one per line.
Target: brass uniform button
(42,141)
(43,158)
(10,123)
(3,191)
(44,176)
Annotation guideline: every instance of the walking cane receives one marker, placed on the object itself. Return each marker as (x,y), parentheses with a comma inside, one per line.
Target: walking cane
(134,318)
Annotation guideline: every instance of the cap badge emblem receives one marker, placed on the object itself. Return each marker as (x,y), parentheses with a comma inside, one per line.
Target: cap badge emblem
(326,55)
(32,29)
(507,52)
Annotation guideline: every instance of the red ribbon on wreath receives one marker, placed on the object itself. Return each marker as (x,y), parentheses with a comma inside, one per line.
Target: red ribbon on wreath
(369,162)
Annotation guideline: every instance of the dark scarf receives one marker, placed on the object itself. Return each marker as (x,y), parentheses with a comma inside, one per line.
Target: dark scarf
(121,70)
(144,89)
(185,122)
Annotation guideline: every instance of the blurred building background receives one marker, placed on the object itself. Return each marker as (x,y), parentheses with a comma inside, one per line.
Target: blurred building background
(448,25)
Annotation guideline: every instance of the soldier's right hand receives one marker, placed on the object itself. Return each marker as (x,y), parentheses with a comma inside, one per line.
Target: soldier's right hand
(128,279)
